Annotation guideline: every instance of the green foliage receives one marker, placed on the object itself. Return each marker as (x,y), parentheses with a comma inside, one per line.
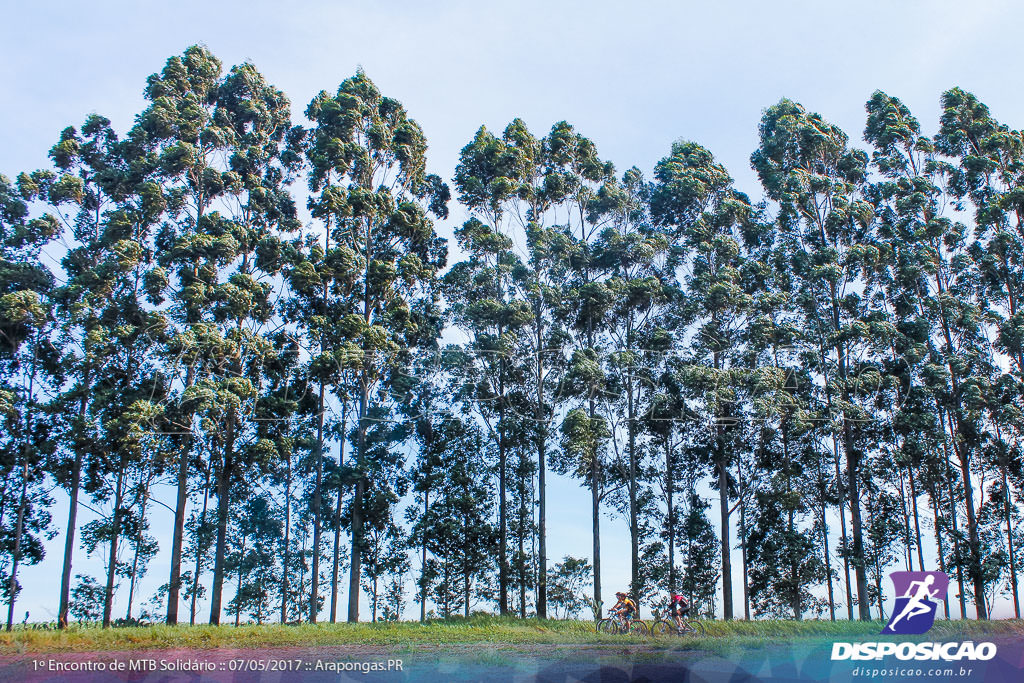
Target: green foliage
(841,363)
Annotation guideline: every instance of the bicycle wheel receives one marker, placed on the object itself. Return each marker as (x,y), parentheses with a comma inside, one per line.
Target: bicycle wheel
(638,628)
(694,628)
(661,628)
(609,626)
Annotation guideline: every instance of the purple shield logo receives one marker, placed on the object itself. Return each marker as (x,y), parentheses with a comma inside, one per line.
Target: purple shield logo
(917,596)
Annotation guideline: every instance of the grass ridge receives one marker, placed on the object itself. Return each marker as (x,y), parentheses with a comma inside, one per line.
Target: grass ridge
(455,631)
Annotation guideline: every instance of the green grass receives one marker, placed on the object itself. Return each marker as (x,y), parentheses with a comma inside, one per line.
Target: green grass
(506,632)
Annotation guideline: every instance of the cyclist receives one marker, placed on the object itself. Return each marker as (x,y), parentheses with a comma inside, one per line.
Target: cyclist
(625,609)
(678,608)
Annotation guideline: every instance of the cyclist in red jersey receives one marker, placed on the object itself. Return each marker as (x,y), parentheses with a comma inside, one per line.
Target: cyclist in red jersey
(679,608)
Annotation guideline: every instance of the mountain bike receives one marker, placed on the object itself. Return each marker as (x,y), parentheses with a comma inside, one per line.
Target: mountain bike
(664,625)
(612,625)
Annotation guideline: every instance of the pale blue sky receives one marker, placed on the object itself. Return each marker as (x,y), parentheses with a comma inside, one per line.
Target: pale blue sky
(631,76)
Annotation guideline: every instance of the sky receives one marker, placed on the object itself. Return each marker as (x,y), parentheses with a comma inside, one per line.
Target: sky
(634,77)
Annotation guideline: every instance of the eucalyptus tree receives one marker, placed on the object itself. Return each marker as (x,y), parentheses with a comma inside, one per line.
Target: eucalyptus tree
(789,478)
(817,181)
(252,121)
(379,213)
(1007,458)
(109,334)
(987,157)
(934,281)
(695,200)
(323,276)
(539,284)
(491,176)
(179,129)
(574,176)
(632,257)
(567,580)
(922,242)
(385,549)
(109,209)
(990,158)
(28,363)
(566,200)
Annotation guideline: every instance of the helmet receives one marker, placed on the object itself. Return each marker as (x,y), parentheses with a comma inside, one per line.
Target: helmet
(620,594)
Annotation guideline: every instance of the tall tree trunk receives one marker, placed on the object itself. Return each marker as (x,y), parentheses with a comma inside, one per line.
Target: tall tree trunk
(502,512)
(908,553)
(722,467)
(115,531)
(3,492)
(958,437)
(1009,543)
(69,536)
(595,465)
(286,563)
(336,563)
(595,510)
(852,464)
(794,569)
(223,504)
(743,558)
(938,543)
(465,576)
(670,526)
(314,595)
(842,527)
(238,591)
(634,522)
(974,541)
(917,522)
(852,478)
(956,543)
(523,492)
(723,508)
(19,528)
(199,550)
(69,542)
(423,559)
(542,573)
(355,567)
(828,564)
(143,501)
(178,535)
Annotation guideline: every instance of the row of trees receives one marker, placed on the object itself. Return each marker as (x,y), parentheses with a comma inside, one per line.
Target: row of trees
(840,366)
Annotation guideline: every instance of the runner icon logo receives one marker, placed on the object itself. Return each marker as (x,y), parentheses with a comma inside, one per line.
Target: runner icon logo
(917,596)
